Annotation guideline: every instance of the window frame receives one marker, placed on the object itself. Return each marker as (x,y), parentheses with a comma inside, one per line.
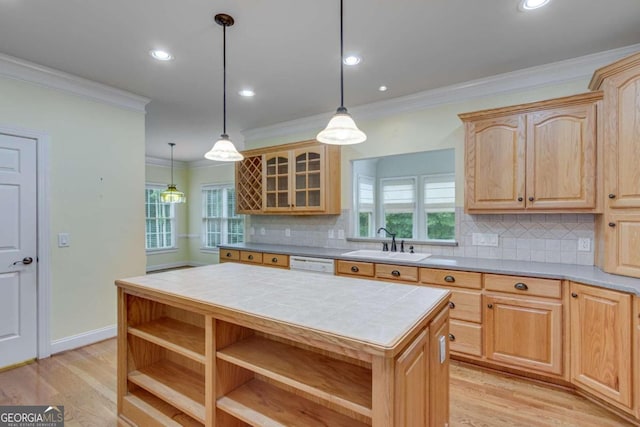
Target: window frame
(374,216)
(172,219)
(224,220)
(381,206)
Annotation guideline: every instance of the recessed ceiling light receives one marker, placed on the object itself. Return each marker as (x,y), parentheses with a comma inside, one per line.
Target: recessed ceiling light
(532,4)
(382,88)
(160,55)
(351,60)
(248,93)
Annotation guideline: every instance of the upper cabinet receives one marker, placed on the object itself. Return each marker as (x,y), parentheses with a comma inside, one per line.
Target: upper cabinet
(618,232)
(533,157)
(301,178)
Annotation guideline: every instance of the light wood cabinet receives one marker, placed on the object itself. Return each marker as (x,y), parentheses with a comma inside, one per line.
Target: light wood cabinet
(300,178)
(618,231)
(533,157)
(601,343)
(524,332)
(636,354)
(254,257)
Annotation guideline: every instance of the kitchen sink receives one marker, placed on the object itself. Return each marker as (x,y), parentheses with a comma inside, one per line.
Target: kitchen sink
(386,255)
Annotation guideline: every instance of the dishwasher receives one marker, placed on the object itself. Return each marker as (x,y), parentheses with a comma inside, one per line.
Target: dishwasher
(317,265)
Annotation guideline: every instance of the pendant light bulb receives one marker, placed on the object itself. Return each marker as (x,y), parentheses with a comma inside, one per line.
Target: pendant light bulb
(172,194)
(341,129)
(224,150)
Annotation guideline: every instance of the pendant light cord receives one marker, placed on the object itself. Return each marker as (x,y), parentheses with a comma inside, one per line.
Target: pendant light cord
(341,60)
(224,79)
(172,144)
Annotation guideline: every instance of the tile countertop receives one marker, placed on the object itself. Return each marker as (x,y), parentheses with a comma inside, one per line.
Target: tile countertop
(361,310)
(578,273)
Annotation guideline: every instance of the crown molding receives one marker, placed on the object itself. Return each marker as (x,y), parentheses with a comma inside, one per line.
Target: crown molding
(156,161)
(19,69)
(528,78)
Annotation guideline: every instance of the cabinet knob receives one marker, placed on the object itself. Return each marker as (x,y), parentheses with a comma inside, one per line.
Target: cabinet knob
(355,269)
(395,273)
(612,224)
(449,279)
(274,259)
(531,199)
(574,295)
(250,257)
(520,199)
(228,255)
(612,196)
(452,337)
(489,305)
(521,286)
(452,305)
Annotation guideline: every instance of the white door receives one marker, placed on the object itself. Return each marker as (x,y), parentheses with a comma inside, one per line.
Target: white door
(18,266)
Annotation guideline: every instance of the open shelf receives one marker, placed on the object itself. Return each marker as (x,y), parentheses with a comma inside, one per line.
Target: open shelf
(172,383)
(177,336)
(145,409)
(326,378)
(260,404)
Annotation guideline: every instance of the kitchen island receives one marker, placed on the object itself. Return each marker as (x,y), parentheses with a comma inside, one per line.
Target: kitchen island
(236,345)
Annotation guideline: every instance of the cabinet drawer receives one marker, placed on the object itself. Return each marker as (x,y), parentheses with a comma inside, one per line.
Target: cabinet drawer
(465,337)
(277,260)
(465,305)
(463,279)
(229,255)
(249,256)
(397,272)
(548,288)
(355,268)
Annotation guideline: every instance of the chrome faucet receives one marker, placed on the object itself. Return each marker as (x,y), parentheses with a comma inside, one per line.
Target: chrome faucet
(394,248)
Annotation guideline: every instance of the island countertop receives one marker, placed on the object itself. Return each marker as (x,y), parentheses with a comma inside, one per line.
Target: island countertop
(375,314)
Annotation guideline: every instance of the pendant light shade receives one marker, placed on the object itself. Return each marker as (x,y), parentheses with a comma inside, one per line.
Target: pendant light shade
(224,150)
(341,130)
(172,194)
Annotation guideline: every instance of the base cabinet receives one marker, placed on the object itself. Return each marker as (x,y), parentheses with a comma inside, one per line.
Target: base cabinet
(601,338)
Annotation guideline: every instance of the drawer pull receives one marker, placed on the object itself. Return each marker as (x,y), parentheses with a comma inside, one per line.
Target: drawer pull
(228,255)
(452,305)
(531,199)
(449,279)
(612,196)
(521,286)
(612,224)
(395,273)
(274,259)
(250,257)
(574,295)
(355,269)
(452,337)
(489,305)
(520,199)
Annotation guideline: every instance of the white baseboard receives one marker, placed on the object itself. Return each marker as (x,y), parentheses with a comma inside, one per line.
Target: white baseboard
(85,338)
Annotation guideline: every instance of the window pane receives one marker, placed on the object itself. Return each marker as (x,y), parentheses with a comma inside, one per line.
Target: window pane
(400,223)
(364,224)
(159,228)
(220,223)
(441,225)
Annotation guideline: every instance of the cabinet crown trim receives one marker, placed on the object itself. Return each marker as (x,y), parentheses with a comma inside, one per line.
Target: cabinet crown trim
(601,74)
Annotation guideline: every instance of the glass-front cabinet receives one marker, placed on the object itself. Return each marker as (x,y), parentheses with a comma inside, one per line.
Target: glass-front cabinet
(276,177)
(308,178)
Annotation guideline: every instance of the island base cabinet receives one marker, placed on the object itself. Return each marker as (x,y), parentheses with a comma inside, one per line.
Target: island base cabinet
(601,338)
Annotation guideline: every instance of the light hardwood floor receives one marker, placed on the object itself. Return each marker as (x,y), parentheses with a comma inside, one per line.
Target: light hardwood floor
(84,381)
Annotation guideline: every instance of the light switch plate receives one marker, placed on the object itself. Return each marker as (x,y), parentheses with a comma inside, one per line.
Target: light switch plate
(63,240)
(287,232)
(340,234)
(584,244)
(330,234)
(484,239)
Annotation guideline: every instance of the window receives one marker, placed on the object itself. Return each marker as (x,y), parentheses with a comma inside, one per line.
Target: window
(160,220)
(399,206)
(220,223)
(365,203)
(439,206)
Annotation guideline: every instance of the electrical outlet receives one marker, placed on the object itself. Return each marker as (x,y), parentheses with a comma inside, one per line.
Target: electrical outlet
(340,234)
(252,231)
(262,231)
(287,232)
(584,244)
(484,239)
(330,234)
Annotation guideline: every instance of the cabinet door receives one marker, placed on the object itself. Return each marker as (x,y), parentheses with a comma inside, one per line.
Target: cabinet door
(495,163)
(276,182)
(601,342)
(524,332)
(622,133)
(249,185)
(439,370)
(412,384)
(636,354)
(622,236)
(561,158)
(308,184)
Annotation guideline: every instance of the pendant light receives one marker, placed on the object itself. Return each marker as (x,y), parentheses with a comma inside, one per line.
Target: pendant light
(172,194)
(341,130)
(224,150)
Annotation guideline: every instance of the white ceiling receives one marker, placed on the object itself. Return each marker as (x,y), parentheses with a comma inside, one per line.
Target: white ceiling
(288,52)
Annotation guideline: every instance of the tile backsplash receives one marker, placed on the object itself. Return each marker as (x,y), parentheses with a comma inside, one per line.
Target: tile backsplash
(524,237)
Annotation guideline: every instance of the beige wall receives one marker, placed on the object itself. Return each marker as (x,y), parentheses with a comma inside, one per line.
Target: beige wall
(96,182)
(429,129)
(162,175)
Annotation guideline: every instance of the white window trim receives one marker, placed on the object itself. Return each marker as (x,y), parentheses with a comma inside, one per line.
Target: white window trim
(174,235)
(216,186)
(356,203)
